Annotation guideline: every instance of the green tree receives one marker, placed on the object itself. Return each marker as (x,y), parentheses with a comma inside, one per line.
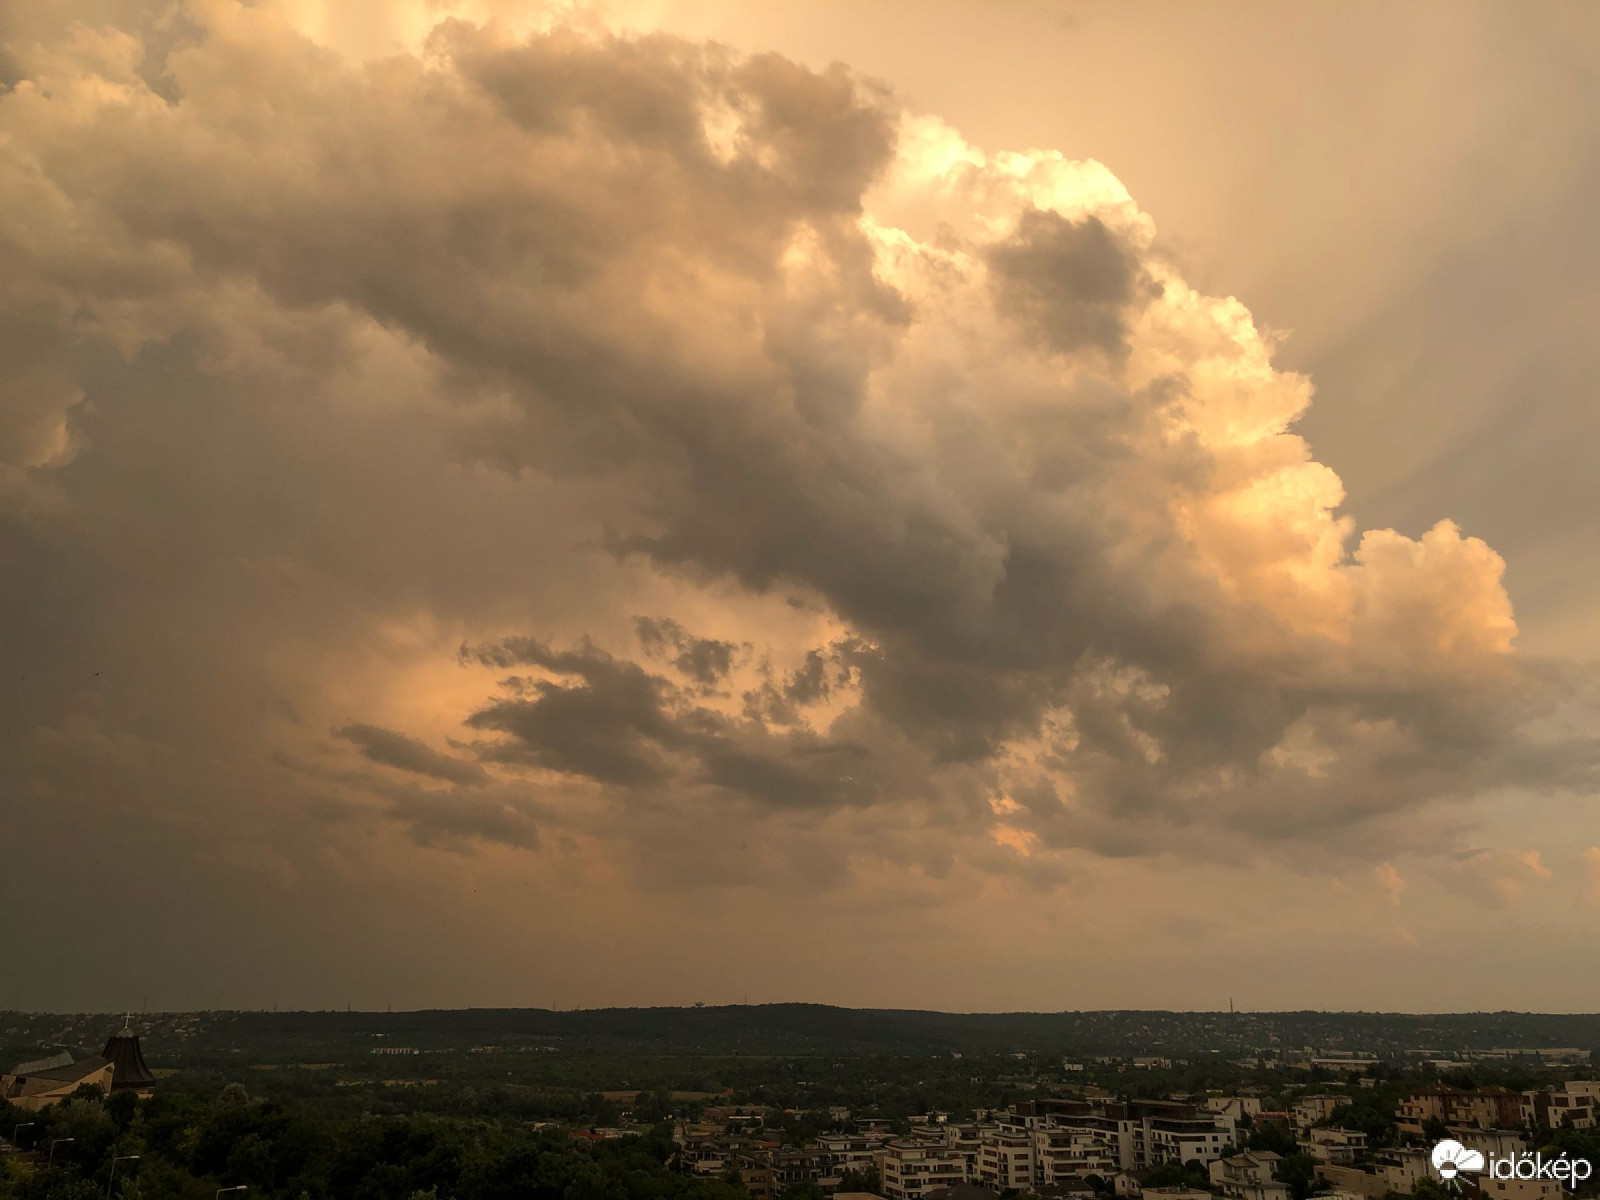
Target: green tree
(1299,1171)
(123,1107)
(1190,1174)
(1269,1135)
(863,1180)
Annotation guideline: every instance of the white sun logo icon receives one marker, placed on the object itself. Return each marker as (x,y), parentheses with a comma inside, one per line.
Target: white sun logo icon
(1450,1158)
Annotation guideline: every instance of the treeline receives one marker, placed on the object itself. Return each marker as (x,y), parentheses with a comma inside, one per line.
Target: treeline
(188,1149)
(567,1087)
(794,1029)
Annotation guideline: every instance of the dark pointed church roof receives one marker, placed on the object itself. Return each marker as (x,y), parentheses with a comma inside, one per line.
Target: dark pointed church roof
(127,1062)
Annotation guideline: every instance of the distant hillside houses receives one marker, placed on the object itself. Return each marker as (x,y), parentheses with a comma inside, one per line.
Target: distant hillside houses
(1049,1147)
(1092,1146)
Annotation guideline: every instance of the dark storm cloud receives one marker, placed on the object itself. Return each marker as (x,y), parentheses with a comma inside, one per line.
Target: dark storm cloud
(1072,580)
(1069,283)
(612,725)
(782,701)
(405,753)
(615,724)
(707,661)
(455,822)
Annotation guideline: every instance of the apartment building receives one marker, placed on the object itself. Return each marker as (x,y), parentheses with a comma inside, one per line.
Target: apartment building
(1006,1160)
(1251,1175)
(909,1169)
(966,1139)
(1353,1182)
(1393,1170)
(1401,1167)
(1046,1112)
(704,1150)
(1138,1133)
(755,1173)
(850,1151)
(1237,1107)
(1496,1142)
(1576,1105)
(791,1166)
(1064,1154)
(1311,1110)
(1198,1138)
(1336,1147)
(1491,1107)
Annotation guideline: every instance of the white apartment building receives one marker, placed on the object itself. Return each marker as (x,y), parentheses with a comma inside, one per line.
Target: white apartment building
(1308,1110)
(1137,1133)
(850,1151)
(1187,1139)
(1336,1147)
(1236,1107)
(966,1139)
(911,1169)
(1006,1161)
(1249,1176)
(1401,1167)
(1500,1142)
(1575,1103)
(1064,1154)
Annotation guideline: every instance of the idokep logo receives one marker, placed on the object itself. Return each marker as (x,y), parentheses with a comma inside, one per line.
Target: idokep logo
(1450,1159)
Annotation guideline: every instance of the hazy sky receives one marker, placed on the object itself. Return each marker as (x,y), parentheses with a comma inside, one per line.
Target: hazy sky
(956,505)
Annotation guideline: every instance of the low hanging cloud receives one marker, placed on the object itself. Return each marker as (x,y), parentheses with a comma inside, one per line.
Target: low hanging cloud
(755,333)
(408,754)
(609,721)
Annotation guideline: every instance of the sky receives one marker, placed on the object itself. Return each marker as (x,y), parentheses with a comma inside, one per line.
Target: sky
(957,505)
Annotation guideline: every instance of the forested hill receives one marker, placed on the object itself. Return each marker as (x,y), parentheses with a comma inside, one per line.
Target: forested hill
(792,1029)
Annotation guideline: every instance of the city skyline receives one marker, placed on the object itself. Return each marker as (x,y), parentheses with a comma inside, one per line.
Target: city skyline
(957,507)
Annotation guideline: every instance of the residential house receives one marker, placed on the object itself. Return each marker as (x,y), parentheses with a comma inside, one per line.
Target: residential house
(1251,1175)
(1401,1167)
(1309,1111)
(1335,1146)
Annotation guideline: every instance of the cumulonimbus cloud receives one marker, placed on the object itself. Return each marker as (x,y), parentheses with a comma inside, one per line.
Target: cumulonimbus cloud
(1088,590)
